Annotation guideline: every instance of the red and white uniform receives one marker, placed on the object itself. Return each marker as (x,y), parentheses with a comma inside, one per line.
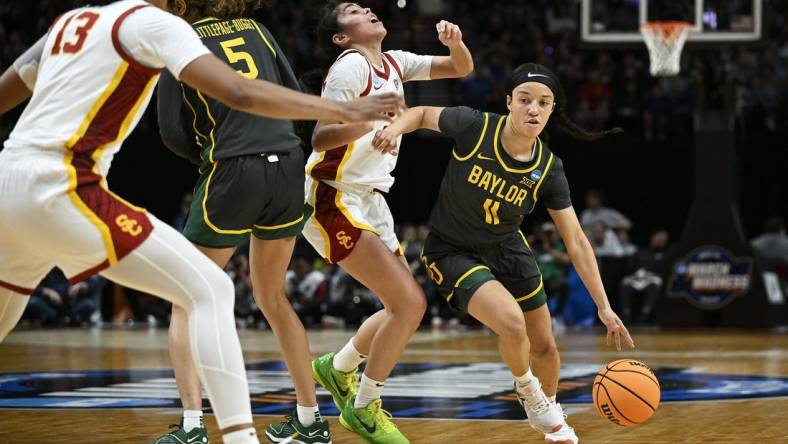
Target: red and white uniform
(94,80)
(342,184)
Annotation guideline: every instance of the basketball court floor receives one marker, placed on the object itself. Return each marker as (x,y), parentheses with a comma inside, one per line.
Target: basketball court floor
(114,386)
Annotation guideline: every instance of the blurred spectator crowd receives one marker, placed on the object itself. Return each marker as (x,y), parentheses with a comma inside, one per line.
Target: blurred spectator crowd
(325,296)
(605,87)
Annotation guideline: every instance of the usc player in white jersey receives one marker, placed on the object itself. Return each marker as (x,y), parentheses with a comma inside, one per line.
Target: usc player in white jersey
(351,224)
(89,81)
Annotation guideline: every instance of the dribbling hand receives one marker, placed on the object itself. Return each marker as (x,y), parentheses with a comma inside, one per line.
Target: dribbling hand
(448,33)
(371,108)
(615,328)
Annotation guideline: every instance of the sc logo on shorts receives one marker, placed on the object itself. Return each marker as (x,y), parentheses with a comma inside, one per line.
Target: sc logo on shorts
(345,240)
(128,225)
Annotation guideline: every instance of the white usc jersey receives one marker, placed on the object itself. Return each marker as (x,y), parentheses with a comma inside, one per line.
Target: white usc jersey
(350,77)
(94,77)
(92,87)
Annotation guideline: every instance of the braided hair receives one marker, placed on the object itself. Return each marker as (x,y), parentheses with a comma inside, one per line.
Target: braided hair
(534,72)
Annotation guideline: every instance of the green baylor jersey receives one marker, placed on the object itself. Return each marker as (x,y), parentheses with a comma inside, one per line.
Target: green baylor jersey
(485,193)
(223,132)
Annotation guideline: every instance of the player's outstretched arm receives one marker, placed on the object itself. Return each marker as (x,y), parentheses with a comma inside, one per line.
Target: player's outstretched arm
(215,78)
(13,91)
(330,135)
(459,62)
(414,118)
(582,254)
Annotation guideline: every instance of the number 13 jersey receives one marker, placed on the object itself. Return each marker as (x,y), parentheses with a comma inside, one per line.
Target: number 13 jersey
(92,87)
(485,193)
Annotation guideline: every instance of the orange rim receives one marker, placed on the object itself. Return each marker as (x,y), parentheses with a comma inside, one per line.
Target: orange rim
(668,30)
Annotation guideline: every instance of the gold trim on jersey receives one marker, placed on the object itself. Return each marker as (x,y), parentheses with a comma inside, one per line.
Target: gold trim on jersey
(465,276)
(345,157)
(525,241)
(265,39)
(345,212)
(317,161)
(113,84)
(124,127)
(478,143)
(203,20)
(213,125)
(106,235)
(544,174)
(320,228)
(500,159)
(205,208)
(280,226)
(194,113)
(96,156)
(533,293)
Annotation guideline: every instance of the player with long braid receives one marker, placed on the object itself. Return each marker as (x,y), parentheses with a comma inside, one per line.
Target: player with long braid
(476,254)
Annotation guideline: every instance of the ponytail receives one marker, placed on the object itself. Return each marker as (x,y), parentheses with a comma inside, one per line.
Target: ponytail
(564,124)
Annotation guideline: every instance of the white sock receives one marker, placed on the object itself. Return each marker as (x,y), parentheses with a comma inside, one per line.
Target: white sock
(527,384)
(245,436)
(348,359)
(368,391)
(191,420)
(308,415)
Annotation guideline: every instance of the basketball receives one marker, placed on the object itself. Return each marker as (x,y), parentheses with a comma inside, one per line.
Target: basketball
(626,392)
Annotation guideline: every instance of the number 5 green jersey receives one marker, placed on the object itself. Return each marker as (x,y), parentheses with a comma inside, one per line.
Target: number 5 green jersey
(191,121)
(486,193)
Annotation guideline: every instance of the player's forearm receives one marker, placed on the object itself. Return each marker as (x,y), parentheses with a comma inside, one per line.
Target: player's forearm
(270,100)
(585,263)
(409,121)
(461,60)
(328,136)
(13,91)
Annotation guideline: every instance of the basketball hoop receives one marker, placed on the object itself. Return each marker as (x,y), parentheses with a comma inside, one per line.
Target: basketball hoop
(665,41)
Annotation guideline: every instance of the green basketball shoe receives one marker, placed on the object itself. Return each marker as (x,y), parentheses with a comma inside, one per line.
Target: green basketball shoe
(371,423)
(341,385)
(292,431)
(197,435)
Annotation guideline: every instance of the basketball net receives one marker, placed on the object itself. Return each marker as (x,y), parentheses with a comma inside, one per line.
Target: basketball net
(665,41)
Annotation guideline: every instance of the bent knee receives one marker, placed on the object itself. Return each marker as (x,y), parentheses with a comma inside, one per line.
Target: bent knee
(218,288)
(512,327)
(412,304)
(546,348)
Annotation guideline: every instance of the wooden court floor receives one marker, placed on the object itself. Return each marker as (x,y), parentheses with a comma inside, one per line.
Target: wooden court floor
(740,355)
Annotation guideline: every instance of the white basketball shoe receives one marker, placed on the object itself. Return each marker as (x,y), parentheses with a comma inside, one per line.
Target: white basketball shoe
(566,435)
(543,415)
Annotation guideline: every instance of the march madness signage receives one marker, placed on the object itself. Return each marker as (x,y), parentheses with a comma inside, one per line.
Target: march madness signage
(710,277)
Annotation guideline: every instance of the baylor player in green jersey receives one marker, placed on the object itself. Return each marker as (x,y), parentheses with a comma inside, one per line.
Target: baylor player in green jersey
(475,253)
(251,182)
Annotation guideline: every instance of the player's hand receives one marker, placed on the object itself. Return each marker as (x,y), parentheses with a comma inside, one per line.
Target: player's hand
(615,328)
(448,33)
(385,141)
(370,108)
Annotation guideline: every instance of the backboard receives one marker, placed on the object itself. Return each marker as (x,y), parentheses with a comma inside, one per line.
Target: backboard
(713,21)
